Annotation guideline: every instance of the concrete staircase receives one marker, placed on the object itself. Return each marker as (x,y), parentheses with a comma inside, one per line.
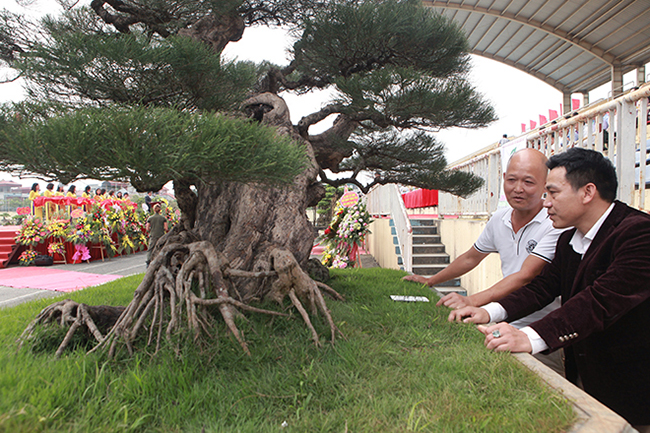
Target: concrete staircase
(429,256)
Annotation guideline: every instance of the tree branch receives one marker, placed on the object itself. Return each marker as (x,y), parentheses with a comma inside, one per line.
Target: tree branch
(331,147)
(121,23)
(344,181)
(311,119)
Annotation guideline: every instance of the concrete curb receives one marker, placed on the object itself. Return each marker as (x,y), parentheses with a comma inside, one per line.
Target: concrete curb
(593,416)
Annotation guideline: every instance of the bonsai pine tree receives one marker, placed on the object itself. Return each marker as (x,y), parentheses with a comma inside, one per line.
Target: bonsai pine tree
(138,90)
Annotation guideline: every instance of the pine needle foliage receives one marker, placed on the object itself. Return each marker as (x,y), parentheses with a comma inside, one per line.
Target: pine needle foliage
(400,158)
(395,67)
(82,61)
(148,146)
(342,40)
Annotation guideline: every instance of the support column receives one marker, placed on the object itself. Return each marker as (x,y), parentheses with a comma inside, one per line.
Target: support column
(617,80)
(566,102)
(640,75)
(585,99)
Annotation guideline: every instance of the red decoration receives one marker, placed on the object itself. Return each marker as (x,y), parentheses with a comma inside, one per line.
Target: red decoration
(78,201)
(575,104)
(349,199)
(420,198)
(23,211)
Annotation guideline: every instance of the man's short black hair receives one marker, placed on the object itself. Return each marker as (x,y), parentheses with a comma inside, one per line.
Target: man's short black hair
(585,166)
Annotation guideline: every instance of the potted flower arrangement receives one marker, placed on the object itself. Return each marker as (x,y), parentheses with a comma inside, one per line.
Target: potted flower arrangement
(27,257)
(58,229)
(32,233)
(80,235)
(57,251)
(127,225)
(345,235)
(101,233)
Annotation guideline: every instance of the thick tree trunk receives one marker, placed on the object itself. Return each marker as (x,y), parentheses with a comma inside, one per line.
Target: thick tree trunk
(246,243)
(245,222)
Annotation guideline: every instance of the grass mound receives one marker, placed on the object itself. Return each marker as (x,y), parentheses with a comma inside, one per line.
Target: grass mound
(402,367)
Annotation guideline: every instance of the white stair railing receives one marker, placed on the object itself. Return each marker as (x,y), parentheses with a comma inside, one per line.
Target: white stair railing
(387,200)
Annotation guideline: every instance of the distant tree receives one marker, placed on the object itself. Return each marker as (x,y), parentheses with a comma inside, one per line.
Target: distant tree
(325,207)
(133,90)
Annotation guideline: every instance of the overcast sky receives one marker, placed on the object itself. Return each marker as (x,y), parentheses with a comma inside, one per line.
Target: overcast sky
(516,96)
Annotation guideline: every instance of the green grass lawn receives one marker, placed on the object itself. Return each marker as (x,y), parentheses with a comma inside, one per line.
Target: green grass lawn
(402,367)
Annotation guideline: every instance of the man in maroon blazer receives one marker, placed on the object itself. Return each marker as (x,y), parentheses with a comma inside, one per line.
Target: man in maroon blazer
(602,271)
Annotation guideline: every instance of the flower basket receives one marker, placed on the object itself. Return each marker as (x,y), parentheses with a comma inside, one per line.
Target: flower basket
(345,235)
(28,257)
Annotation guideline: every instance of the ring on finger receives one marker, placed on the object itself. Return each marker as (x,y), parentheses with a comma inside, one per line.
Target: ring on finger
(496,333)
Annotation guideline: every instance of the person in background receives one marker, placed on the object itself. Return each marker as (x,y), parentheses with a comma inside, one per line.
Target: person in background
(98,195)
(118,196)
(125,197)
(111,194)
(156,227)
(147,201)
(72,193)
(37,211)
(88,195)
(60,192)
(50,207)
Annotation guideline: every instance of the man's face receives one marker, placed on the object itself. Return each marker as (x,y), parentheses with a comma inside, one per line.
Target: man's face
(523,183)
(564,204)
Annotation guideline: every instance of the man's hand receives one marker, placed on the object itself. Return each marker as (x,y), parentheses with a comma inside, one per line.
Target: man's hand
(456,301)
(470,315)
(416,278)
(508,339)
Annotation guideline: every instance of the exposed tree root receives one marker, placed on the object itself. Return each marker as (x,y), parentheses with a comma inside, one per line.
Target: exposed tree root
(182,283)
(93,319)
(300,288)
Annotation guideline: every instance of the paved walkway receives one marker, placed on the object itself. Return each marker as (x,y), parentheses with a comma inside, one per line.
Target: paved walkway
(123,265)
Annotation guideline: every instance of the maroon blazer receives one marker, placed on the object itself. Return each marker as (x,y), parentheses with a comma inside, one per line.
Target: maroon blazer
(604,321)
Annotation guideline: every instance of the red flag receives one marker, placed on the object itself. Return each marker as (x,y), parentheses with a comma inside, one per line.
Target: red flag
(552,114)
(575,104)
(523,127)
(533,124)
(542,120)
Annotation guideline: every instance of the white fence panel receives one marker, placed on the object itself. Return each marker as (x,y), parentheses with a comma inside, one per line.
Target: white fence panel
(387,200)
(484,201)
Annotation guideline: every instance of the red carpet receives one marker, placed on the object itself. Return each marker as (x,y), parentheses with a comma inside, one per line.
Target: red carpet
(35,277)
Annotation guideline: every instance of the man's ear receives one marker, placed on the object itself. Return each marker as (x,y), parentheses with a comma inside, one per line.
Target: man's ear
(589,192)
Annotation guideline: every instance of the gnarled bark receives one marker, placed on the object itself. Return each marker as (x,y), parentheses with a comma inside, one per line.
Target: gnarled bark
(236,244)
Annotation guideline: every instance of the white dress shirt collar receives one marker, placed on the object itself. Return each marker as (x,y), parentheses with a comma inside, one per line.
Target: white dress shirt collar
(580,243)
